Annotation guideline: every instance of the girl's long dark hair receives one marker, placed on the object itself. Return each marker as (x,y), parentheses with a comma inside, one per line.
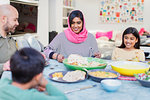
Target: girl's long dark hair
(135,32)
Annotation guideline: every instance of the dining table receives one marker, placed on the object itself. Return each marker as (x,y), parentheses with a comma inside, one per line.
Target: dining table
(129,90)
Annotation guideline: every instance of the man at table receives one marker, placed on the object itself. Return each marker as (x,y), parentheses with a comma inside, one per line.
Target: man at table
(27,66)
(8,23)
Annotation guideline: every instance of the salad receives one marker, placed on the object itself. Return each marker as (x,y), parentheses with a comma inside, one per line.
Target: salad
(143,76)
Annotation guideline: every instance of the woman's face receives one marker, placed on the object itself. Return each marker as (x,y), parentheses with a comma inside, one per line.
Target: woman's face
(76,25)
(130,40)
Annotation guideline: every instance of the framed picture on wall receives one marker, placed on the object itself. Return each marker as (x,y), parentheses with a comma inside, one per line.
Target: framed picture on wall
(121,11)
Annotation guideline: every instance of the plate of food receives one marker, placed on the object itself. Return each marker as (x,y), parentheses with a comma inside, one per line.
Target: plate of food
(68,76)
(77,62)
(100,74)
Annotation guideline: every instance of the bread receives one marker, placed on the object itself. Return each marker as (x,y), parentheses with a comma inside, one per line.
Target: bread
(74,76)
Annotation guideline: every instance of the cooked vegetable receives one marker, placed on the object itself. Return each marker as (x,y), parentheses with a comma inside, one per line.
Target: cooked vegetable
(143,76)
(103,74)
(58,75)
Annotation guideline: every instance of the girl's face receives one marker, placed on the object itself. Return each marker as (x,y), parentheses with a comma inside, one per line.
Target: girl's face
(130,40)
(76,25)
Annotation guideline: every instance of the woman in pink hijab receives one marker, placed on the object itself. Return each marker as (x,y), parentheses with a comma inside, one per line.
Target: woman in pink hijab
(74,40)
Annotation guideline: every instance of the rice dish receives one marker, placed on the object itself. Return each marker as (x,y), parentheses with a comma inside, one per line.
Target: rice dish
(75,59)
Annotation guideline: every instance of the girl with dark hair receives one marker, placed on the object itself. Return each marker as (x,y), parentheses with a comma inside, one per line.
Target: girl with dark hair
(74,40)
(130,47)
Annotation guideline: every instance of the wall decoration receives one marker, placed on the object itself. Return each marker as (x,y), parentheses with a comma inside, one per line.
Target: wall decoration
(121,11)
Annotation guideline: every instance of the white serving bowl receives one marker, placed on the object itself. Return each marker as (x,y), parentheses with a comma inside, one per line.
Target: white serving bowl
(111,85)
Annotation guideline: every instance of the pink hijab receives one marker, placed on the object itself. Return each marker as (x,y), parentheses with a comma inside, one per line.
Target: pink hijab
(72,36)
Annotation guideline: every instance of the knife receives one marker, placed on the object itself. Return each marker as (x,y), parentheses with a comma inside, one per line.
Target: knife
(86,87)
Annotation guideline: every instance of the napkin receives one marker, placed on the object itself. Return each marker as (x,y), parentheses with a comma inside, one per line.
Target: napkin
(127,78)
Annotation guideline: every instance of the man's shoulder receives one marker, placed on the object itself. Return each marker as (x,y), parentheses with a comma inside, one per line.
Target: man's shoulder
(8,37)
(12,38)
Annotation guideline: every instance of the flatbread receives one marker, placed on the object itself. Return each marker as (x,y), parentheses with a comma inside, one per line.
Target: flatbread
(74,76)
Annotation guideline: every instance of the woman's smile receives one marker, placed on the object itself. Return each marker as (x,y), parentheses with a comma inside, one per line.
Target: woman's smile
(76,25)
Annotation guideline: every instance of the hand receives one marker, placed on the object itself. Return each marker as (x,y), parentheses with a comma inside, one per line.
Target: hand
(60,58)
(43,83)
(40,88)
(97,55)
(43,55)
(6,66)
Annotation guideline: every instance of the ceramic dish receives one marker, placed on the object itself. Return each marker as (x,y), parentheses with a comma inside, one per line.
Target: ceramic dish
(143,79)
(90,59)
(111,85)
(144,83)
(60,79)
(129,68)
(98,79)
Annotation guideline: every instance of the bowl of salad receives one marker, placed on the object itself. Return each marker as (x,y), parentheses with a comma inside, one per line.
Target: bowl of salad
(143,79)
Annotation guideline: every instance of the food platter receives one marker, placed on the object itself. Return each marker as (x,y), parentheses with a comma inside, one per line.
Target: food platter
(63,73)
(89,59)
